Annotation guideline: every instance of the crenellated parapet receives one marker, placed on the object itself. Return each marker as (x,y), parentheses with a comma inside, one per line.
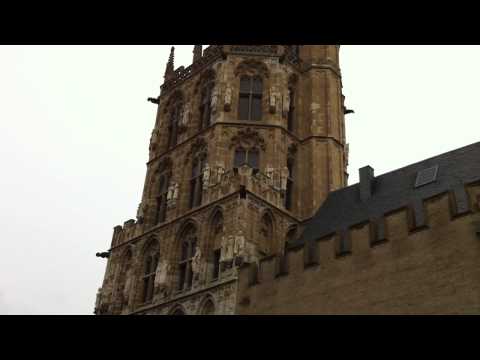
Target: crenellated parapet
(439,232)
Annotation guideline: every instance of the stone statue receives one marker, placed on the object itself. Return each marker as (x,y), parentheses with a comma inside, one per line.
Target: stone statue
(272,102)
(161,273)
(220,172)
(227,248)
(214,100)
(269,173)
(239,247)
(175,192)
(286,104)
(206,176)
(228,98)
(185,118)
(171,189)
(197,262)
(153,140)
(284,173)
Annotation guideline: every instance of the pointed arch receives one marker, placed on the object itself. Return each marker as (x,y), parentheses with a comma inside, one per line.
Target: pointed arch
(188,241)
(177,309)
(207,306)
(150,255)
(214,242)
(123,281)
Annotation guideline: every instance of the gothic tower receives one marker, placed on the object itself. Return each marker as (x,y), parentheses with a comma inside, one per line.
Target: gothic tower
(247,144)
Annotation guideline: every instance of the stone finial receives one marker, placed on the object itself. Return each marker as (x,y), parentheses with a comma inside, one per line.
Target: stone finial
(197,52)
(169,71)
(366,183)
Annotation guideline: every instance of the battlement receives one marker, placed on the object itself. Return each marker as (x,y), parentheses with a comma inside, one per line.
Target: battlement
(436,232)
(216,52)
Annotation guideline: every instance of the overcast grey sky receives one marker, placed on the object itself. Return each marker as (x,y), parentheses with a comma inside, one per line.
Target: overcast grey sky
(75,126)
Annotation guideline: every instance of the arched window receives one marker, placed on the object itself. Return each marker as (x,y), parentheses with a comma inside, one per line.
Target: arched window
(266,234)
(177,311)
(205,105)
(162,199)
(291,109)
(290,180)
(176,113)
(246,157)
(187,251)
(149,269)
(208,308)
(250,98)
(196,182)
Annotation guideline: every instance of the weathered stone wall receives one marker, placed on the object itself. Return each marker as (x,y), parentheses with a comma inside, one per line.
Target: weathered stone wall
(431,270)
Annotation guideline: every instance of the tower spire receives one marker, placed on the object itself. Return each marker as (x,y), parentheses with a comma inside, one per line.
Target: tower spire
(197,52)
(170,67)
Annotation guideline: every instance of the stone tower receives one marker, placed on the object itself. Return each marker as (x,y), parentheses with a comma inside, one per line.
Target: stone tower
(247,144)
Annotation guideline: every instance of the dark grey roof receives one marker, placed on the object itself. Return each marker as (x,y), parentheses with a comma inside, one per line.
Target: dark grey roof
(391,191)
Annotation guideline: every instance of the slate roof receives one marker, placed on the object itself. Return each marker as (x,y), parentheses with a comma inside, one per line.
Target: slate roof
(391,191)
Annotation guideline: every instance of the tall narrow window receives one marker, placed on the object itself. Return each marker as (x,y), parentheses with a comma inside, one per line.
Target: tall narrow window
(175,117)
(291,110)
(250,98)
(162,200)
(187,251)
(205,105)
(150,267)
(196,182)
(208,308)
(289,190)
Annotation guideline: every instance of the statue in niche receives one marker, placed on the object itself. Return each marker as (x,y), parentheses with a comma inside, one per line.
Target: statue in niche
(206,176)
(185,119)
(284,174)
(220,172)
(161,276)
(171,189)
(214,100)
(153,141)
(228,99)
(197,264)
(286,104)
(175,192)
(269,173)
(272,102)
(227,249)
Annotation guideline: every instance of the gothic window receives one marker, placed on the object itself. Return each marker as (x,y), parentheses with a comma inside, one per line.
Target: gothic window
(291,110)
(246,157)
(290,180)
(205,105)
(208,308)
(196,182)
(266,233)
(250,98)
(187,251)
(176,113)
(149,269)
(162,199)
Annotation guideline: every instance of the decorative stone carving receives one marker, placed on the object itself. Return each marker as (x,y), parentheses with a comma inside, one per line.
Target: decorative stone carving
(286,104)
(228,99)
(252,67)
(197,262)
(248,138)
(161,277)
(198,148)
(239,245)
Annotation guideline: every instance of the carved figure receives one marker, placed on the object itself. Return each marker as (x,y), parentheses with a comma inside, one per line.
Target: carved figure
(206,176)
(284,173)
(228,98)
